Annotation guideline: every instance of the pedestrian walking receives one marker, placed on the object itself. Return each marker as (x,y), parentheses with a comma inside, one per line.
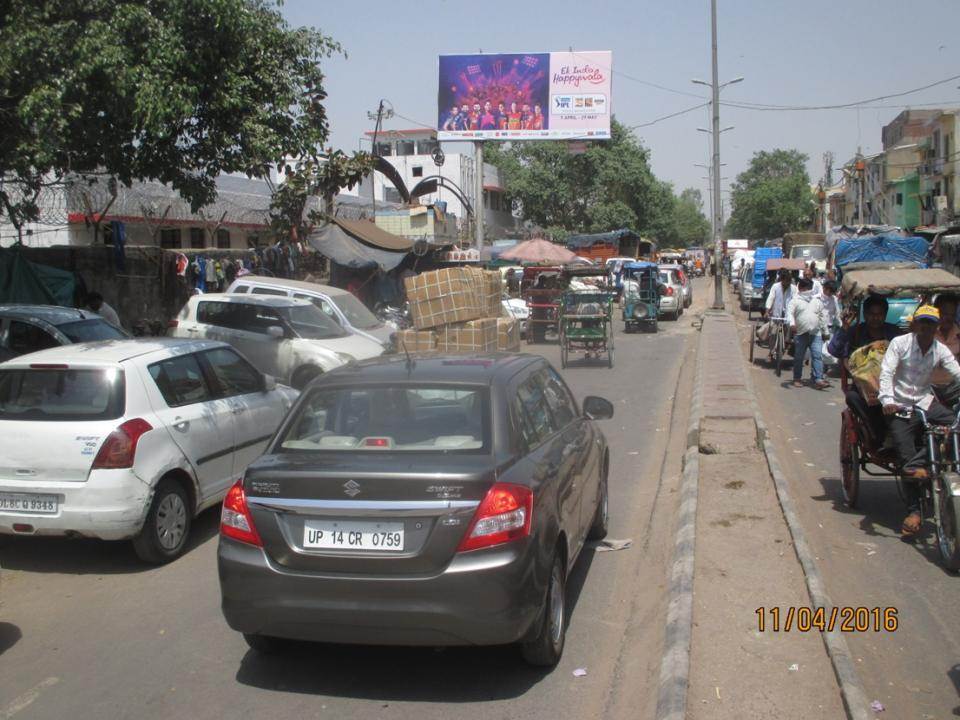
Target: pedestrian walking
(808,319)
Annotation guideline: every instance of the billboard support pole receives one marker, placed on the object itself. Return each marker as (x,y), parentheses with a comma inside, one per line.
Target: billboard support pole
(715,190)
(478,194)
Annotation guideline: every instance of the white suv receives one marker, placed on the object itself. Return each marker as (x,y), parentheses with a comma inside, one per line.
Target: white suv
(129,439)
(288,338)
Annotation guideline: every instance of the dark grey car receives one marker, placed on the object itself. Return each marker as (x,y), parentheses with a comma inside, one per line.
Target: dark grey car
(29,328)
(436,502)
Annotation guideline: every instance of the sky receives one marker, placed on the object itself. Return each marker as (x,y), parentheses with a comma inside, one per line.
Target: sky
(810,53)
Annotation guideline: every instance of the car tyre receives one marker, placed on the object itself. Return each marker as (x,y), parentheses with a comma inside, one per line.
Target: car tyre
(264,644)
(166,529)
(601,518)
(546,647)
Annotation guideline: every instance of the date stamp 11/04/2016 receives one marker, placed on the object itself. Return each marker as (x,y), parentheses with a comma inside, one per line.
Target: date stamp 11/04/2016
(843,619)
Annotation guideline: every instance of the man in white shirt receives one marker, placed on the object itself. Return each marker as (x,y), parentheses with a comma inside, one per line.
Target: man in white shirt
(780,295)
(810,272)
(808,321)
(905,382)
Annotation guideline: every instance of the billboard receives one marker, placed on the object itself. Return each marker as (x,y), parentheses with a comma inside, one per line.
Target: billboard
(525,96)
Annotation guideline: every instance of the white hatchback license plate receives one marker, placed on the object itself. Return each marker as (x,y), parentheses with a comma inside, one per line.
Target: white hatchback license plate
(33,503)
(349,535)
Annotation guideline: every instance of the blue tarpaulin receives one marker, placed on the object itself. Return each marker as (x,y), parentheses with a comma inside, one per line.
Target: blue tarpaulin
(881,248)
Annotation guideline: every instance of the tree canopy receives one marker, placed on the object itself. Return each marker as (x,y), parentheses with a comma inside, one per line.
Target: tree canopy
(607,187)
(177,91)
(772,196)
(690,226)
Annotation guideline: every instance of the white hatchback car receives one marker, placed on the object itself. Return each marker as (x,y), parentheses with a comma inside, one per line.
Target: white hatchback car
(288,338)
(129,439)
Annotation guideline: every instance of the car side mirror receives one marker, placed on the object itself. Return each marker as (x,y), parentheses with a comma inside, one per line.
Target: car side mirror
(276,332)
(597,408)
(269,383)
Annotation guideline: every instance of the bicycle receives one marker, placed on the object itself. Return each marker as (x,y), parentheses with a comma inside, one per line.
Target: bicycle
(776,342)
(940,493)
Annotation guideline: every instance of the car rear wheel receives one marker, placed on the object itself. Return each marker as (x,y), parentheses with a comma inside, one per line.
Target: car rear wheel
(546,648)
(167,527)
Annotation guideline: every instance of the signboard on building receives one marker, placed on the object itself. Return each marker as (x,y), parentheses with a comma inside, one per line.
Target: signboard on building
(525,96)
(737,244)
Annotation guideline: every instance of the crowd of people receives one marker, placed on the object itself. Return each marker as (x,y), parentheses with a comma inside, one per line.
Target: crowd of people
(916,369)
(495,117)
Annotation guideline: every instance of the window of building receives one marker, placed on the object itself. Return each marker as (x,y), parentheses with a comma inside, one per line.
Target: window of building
(406,147)
(223,239)
(418,170)
(197,238)
(106,232)
(384,149)
(253,240)
(496,201)
(391,195)
(170,238)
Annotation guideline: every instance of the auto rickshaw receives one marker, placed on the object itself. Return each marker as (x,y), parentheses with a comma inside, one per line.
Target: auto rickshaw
(862,428)
(641,295)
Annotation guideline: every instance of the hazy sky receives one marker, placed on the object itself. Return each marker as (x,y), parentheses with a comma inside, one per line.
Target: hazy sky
(814,52)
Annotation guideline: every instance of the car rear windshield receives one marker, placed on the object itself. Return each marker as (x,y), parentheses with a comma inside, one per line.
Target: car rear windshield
(667,277)
(398,418)
(311,323)
(61,394)
(355,311)
(91,331)
(809,252)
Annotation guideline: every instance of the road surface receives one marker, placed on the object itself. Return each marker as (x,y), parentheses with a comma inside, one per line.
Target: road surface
(86,631)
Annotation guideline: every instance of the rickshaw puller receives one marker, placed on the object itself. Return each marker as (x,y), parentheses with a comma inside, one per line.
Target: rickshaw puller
(904,382)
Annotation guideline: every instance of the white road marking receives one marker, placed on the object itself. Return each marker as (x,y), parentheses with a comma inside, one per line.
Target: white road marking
(27,699)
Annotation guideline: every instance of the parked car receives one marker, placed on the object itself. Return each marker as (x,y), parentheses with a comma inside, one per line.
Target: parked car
(344,307)
(129,439)
(288,338)
(436,502)
(29,328)
(671,303)
(746,296)
(518,310)
(685,284)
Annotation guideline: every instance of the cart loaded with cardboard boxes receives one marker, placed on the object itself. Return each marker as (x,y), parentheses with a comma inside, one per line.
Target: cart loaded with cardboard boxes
(458,310)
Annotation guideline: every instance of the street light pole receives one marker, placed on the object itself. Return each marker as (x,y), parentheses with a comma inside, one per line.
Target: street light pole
(717,245)
(478,196)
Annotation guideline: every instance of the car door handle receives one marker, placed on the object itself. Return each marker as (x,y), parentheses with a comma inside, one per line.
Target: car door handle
(181,424)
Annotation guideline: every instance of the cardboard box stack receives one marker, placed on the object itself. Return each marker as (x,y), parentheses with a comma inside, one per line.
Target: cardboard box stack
(458,310)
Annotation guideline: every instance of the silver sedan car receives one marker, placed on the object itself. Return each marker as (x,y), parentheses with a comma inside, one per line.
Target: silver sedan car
(436,501)
(674,301)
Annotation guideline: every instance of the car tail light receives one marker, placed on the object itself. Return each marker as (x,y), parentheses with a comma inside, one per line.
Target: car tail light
(173,323)
(503,516)
(669,290)
(120,447)
(235,519)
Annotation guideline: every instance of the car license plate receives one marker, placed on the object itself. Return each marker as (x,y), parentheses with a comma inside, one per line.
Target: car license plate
(33,503)
(348,535)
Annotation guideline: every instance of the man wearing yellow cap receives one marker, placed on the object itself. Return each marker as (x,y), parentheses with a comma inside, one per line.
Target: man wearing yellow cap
(905,382)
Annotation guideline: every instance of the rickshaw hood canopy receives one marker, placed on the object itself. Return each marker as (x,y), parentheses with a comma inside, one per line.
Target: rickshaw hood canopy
(860,283)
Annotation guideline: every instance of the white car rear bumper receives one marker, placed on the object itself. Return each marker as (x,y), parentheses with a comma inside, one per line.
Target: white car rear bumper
(110,505)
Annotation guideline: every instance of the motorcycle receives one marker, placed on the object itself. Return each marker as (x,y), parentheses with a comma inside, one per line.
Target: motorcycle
(397,317)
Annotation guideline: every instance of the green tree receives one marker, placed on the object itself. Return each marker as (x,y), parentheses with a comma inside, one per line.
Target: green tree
(691,225)
(607,187)
(772,196)
(177,91)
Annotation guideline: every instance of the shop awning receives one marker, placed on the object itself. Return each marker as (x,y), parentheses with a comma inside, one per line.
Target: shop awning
(359,244)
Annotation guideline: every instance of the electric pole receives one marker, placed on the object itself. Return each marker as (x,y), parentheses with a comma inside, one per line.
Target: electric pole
(478,195)
(717,244)
(379,117)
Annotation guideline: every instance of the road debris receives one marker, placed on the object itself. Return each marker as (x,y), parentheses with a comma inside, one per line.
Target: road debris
(794,668)
(610,545)
(580,672)
(877,706)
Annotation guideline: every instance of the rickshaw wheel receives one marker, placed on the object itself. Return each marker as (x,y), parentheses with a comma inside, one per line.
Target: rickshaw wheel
(947,540)
(849,464)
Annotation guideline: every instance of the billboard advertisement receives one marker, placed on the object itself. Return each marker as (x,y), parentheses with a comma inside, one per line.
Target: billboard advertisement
(525,96)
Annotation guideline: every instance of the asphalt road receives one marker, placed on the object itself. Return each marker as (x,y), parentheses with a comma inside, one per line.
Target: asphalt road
(88,632)
(915,671)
